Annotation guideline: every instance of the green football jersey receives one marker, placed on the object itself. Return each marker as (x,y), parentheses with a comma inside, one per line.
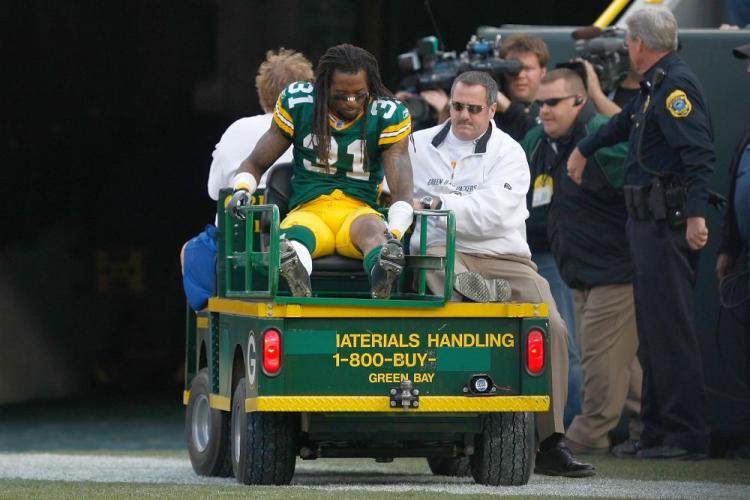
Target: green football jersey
(387,122)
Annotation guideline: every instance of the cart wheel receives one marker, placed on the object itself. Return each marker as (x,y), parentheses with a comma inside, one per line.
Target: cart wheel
(449,466)
(206,431)
(263,443)
(504,453)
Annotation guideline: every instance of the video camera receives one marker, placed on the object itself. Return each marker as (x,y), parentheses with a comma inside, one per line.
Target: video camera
(606,51)
(428,68)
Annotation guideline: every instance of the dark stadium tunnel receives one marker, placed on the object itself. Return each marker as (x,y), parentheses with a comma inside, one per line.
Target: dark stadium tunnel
(113,110)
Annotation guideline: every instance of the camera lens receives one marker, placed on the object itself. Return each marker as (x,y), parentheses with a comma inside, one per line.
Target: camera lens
(418,108)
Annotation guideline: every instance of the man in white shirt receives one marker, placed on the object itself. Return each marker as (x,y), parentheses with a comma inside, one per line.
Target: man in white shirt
(198,256)
(471,167)
(275,73)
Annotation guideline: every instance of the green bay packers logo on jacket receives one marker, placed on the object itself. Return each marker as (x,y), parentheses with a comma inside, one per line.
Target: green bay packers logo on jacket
(678,104)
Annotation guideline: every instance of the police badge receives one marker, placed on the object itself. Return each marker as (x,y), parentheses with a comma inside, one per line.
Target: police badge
(678,104)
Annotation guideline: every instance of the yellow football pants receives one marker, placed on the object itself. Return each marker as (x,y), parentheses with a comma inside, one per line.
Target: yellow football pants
(330,219)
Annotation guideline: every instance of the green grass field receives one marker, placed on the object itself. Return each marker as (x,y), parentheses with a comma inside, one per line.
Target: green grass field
(410,478)
(68,450)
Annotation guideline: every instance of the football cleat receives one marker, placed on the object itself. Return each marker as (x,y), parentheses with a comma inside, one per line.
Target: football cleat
(477,288)
(387,269)
(292,270)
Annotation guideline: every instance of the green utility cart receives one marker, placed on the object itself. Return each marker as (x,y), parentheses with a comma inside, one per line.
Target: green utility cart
(271,377)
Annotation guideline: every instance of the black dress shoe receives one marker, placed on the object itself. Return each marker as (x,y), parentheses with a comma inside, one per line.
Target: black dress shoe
(559,461)
(666,451)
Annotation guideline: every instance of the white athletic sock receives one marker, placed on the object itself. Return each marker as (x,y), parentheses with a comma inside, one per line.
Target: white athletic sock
(303,254)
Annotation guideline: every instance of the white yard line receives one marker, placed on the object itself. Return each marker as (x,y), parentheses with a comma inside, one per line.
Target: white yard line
(338,476)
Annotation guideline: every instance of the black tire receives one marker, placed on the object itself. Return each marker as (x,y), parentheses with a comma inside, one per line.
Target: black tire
(206,431)
(450,466)
(263,444)
(504,451)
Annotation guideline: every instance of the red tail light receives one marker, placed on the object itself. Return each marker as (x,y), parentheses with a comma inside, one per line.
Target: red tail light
(271,351)
(535,351)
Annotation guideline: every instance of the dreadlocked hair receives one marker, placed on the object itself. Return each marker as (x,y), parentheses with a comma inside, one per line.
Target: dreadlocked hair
(344,58)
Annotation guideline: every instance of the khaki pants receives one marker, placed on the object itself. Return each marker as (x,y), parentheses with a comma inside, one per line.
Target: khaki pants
(527,286)
(612,376)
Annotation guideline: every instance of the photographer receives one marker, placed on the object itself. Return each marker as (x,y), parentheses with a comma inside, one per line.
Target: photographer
(516,111)
(519,65)
(612,103)
(604,65)
(516,116)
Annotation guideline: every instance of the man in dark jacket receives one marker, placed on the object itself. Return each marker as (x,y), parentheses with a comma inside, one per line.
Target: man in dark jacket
(736,228)
(667,170)
(586,229)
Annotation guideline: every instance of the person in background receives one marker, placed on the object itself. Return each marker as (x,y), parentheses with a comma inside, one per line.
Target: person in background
(612,103)
(735,231)
(517,112)
(198,256)
(670,160)
(471,167)
(738,14)
(586,228)
(280,68)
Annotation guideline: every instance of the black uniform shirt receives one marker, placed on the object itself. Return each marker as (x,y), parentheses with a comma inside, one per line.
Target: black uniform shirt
(518,119)
(671,115)
(585,224)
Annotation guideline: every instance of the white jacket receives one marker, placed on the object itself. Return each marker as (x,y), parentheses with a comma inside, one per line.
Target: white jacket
(486,191)
(235,145)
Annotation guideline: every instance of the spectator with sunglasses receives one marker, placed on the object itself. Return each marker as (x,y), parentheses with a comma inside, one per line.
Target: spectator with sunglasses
(471,167)
(585,225)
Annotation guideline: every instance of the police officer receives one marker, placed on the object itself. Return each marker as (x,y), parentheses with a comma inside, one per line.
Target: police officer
(670,157)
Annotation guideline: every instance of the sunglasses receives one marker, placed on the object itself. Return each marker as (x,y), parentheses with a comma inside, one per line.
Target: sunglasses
(350,98)
(474,109)
(553,101)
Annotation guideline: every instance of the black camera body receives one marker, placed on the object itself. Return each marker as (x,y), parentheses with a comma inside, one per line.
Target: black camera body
(437,69)
(608,54)
(428,68)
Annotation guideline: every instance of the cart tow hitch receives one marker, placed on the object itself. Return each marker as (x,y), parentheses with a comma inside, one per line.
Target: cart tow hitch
(405,396)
